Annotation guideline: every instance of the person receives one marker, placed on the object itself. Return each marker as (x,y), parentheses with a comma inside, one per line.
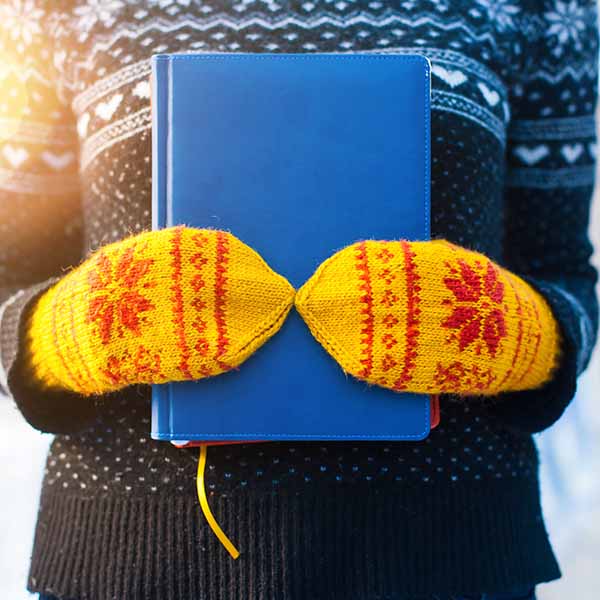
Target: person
(512,171)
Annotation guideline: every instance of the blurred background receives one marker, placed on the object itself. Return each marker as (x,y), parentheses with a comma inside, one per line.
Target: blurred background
(570,454)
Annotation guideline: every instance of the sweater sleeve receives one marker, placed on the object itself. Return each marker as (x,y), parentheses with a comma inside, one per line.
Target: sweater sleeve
(40,230)
(550,163)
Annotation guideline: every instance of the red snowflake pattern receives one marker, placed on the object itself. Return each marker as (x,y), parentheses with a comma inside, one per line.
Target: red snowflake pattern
(478,311)
(116,302)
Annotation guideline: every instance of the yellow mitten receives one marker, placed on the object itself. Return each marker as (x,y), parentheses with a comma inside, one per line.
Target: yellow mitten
(161,306)
(430,317)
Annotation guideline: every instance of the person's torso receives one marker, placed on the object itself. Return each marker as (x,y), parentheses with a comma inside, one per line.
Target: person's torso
(102,58)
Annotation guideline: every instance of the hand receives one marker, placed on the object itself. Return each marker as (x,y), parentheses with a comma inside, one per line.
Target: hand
(161,306)
(430,317)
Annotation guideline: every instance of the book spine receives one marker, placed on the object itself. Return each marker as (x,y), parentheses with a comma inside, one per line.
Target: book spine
(161,71)
(427,189)
(161,75)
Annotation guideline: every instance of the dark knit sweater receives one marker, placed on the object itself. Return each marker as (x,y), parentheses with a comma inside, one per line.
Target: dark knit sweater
(513,144)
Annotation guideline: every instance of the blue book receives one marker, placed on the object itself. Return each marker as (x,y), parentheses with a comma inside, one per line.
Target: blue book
(298,155)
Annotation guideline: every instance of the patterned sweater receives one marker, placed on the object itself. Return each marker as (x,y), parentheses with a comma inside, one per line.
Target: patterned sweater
(513,152)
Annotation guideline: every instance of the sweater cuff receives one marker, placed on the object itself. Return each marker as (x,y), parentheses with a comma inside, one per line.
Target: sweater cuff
(46,410)
(532,411)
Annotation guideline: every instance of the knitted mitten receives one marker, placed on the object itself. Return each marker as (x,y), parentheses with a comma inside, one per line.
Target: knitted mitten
(430,317)
(161,306)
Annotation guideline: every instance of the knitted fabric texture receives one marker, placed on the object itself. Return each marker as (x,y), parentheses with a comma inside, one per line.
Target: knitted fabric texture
(171,305)
(430,317)
(187,303)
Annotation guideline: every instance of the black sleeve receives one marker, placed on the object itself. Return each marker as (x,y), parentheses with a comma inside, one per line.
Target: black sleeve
(40,229)
(550,160)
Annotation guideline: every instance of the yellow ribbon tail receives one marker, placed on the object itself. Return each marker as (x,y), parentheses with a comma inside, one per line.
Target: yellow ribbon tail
(233,551)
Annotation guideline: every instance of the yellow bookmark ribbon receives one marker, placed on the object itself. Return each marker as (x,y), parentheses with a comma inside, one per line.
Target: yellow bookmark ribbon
(206,509)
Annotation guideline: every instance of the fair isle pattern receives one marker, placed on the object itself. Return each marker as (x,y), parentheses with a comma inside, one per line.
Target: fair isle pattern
(220,297)
(177,298)
(412,318)
(116,132)
(548,150)
(553,129)
(429,317)
(367,324)
(109,323)
(391,334)
(461,84)
(295,19)
(38,149)
(450,66)
(483,101)
(201,307)
(552,152)
(110,320)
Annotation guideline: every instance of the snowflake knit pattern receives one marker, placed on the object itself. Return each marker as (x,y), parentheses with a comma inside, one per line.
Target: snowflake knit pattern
(430,317)
(170,305)
(186,303)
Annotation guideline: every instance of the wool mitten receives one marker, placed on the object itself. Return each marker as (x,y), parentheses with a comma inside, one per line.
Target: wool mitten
(430,317)
(167,305)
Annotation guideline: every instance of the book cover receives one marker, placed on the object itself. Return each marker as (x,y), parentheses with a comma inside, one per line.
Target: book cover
(298,155)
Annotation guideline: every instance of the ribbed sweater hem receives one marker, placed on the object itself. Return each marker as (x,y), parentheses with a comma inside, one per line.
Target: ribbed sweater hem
(345,543)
